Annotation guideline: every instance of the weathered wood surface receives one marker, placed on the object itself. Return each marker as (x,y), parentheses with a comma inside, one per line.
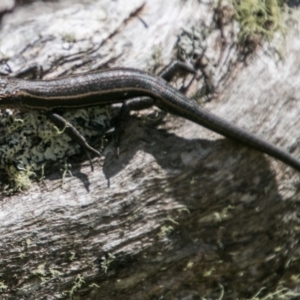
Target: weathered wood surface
(188,214)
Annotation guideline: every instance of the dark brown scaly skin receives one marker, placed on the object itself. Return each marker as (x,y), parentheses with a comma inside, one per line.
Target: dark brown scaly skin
(119,85)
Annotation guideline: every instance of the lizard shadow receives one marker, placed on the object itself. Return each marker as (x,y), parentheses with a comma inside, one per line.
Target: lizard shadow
(174,153)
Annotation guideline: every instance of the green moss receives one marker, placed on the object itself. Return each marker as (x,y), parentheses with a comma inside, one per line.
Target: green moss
(32,143)
(69,38)
(107,261)
(3,286)
(258,18)
(78,282)
(280,294)
(19,180)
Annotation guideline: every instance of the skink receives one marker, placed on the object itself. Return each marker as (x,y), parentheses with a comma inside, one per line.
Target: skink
(118,85)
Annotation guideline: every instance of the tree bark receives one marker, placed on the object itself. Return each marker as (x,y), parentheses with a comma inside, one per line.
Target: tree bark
(182,213)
